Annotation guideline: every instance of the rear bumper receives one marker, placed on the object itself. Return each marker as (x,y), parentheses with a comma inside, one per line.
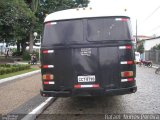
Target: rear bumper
(89,92)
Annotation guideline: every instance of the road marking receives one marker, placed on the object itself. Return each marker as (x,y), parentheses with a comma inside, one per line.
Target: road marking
(39,109)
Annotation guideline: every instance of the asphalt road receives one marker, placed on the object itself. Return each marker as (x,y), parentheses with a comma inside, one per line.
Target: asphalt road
(145,101)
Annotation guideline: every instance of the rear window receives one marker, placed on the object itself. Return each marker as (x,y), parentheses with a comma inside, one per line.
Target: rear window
(86,30)
(108,29)
(62,32)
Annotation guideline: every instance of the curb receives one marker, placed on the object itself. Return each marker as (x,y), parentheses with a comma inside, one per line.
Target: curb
(154,67)
(39,109)
(19,76)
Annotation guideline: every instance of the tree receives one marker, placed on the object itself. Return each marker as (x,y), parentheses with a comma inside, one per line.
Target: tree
(49,6)
(14,20)
(156,47)
(140,48)
(33,4)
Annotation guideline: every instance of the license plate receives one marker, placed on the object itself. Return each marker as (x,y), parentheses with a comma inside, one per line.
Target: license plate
(90,78)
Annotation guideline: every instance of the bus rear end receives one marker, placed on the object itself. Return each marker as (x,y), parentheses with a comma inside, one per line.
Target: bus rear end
(88,57)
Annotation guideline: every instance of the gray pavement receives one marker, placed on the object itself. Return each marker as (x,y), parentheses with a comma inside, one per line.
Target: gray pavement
(145,101)
(21,96)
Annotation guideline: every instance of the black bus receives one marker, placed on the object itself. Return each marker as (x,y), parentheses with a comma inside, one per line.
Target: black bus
(87,55)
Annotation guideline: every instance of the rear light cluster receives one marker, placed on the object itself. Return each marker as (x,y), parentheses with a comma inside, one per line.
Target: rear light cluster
(48,78)
(127,76)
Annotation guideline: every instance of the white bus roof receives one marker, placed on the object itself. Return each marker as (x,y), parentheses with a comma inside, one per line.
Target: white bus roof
(84,13)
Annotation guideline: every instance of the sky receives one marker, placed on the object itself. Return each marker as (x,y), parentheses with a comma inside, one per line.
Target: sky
(146,12)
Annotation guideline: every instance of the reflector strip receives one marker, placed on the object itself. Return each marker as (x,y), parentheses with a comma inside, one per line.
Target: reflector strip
(121,19)
(49,83)
(128,79)
(127,62)
(48,66)
(87,86)
(51,23)
(47,51)
(125,47)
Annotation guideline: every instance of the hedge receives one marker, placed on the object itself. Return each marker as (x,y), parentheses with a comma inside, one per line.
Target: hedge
(7,68)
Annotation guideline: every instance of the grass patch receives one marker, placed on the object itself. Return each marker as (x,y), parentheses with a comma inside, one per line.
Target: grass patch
(18,73)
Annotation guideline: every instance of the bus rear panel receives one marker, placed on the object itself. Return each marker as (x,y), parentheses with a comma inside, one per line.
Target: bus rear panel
(88,57)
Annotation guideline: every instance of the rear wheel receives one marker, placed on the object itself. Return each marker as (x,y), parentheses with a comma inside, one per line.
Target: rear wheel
(150,65)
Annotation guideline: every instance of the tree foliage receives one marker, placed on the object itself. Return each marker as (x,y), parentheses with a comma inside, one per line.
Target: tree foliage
(156,47)
(140,48)
(15,18)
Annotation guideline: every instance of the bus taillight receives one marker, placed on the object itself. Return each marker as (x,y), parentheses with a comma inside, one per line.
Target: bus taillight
(127,74)
(48,77)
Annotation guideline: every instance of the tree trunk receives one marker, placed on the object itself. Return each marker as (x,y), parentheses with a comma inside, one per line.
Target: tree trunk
(23,46)
(18,47)
(31,39)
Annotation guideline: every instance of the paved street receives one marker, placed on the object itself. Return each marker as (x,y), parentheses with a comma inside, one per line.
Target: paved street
(20,96)
(144,101)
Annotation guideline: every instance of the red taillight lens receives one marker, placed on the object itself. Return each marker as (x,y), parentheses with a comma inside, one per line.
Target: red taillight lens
(130,79)
(128,47)
(129,62)
(127,74)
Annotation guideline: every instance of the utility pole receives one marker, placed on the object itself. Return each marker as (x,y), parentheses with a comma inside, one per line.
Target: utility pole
(136,34)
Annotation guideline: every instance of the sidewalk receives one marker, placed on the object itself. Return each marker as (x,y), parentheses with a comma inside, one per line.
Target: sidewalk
(16,93)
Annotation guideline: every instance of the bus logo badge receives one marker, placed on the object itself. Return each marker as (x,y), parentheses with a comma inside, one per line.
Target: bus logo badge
(86,51)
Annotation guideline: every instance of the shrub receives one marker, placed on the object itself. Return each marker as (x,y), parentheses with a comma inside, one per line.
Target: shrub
(8,70)
(7,65)
(13,69)
(15,53)
(5,69)
(2,71)
(26,56)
